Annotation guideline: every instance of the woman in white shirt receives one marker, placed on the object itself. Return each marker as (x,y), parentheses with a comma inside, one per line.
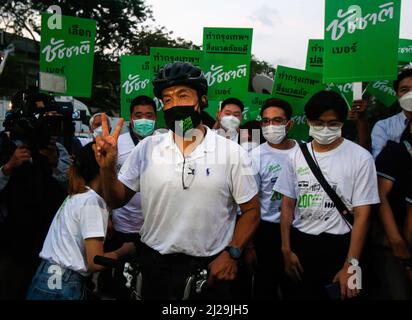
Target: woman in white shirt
(75,236)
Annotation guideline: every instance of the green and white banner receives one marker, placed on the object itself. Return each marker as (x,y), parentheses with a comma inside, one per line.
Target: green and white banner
(314,56)
(361,40)
(66,55)
(226,61)
(253,103)
(383,91)
(296,87)
(405,50)
(134,81)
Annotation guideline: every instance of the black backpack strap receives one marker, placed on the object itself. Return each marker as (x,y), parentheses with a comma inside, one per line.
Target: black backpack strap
(343,210)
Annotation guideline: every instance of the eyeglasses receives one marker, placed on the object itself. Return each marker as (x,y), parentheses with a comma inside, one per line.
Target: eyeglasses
(188,174)
(320,125)
(277,121)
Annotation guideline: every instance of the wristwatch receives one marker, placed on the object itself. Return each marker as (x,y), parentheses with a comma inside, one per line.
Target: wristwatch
(352,261)
(234,252)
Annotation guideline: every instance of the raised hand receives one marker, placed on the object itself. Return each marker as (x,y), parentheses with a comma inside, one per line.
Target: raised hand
(105,148)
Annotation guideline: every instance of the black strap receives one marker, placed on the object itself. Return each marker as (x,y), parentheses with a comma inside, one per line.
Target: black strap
(343,210)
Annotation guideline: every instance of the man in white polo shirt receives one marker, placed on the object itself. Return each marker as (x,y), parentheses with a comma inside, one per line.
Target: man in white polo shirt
(190,180)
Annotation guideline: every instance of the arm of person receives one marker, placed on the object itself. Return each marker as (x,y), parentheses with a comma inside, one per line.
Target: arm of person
(395,239)
(379,139)
(408,225)
(358,236)
(94,247)
(20,155)
(358,115)
(115,193)
(224,267)
(292,264)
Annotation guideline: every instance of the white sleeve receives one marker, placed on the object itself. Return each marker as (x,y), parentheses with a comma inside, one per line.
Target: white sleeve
(365,190)
(286,183)
(243,184)
(379,138)
(129,173)
(93,220)
(255,167)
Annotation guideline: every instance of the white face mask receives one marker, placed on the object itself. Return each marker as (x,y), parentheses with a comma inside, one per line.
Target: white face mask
(230,123)
(249,145)
(325,136)
(274,134)
(406,101)
(97,132)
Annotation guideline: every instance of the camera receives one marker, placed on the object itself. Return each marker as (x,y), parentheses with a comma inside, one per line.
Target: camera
(35,118)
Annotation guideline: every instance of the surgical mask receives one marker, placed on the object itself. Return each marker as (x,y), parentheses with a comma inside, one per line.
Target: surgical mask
(325,136)
(274,134)
(97,132)
(182,119)
(143,127)
(406,101)
(230,123)
(249,145)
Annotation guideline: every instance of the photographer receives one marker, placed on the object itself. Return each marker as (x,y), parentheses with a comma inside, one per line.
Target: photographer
(33,167)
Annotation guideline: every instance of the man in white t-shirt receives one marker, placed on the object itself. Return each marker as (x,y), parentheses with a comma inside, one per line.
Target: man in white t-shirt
(189,179)
(268,160)
(392,128)
(322,248)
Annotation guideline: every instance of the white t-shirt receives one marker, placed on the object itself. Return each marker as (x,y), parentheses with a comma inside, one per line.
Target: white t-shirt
(199,220)
(128,219)
(349,169)
(80,217)
(267,163)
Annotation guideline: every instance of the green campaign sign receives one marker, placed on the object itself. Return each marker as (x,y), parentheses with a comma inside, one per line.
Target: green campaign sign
(296,87)
(314,57)
(253,103)
(134,81)
(212,108)
(383,91)
(66,56)
(226,61)
(405,50)
(159,57)
(361,40)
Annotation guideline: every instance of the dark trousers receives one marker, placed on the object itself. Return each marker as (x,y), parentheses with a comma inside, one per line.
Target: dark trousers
(164,276)
(269,269)
(321,256)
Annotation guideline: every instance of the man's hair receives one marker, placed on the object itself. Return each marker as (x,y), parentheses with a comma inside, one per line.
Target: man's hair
(94,116)
(323,101)
(235,101)
(402,75)
(143,101)
(278,103)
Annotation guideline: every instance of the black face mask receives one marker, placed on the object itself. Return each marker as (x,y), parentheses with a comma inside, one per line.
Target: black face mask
(185,117)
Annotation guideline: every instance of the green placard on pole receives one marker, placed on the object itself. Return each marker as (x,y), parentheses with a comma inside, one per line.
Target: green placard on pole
(134,81)
(253,103)
(314,57)
(226,61)
(405,50)
(66,55)
(383,91)
(296,87)
(361,40)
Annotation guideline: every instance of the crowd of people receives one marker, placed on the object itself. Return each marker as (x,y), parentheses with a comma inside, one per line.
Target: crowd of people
(268,217)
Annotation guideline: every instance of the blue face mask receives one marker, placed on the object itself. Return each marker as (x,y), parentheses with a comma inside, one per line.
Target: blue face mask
(143,127)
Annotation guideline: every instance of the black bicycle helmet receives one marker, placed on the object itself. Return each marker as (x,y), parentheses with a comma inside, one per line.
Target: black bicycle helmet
(180,73)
